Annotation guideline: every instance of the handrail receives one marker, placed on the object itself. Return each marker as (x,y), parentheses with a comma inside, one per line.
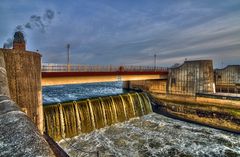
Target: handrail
(97,68)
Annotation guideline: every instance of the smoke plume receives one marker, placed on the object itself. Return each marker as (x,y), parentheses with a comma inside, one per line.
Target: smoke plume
(35,22)
(40,22)
(8,43)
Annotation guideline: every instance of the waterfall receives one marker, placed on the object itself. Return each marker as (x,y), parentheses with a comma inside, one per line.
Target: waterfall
(65,120)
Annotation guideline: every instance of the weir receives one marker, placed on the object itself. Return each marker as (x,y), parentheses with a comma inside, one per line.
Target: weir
(65,120)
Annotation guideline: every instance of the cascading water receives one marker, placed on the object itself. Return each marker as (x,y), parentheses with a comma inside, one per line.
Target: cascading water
(70,119)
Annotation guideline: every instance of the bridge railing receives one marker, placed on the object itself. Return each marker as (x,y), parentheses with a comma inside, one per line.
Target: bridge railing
(96,68)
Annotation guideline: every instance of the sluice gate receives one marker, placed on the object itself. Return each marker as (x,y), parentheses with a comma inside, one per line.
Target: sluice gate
(65,120)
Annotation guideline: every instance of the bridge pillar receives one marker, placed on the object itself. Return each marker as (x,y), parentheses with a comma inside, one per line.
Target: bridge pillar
(126,85)
(24,79)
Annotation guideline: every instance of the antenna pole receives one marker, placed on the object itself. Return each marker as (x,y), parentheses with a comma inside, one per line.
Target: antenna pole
(68,57)
(155,61)
(222,63)
(68,54)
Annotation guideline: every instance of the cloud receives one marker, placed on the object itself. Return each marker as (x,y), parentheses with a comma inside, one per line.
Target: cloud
(129,32)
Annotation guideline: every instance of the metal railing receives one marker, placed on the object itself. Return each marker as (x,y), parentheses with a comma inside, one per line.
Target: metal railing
(97,68)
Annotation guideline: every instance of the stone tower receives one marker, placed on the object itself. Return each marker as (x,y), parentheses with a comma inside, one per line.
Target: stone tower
(18,41)
(24,78)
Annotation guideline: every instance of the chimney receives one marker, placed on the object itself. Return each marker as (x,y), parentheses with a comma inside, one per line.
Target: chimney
(18,41)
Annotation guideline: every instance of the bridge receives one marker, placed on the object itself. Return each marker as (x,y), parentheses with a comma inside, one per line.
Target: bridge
(60,74)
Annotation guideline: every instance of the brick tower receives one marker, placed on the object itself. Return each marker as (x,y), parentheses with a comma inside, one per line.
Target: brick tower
(18,41)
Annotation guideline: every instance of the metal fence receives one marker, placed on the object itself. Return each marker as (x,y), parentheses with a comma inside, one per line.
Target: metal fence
(97,68)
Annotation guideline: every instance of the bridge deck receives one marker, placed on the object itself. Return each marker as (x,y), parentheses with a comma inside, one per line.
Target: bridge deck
(75,74)
(70,74)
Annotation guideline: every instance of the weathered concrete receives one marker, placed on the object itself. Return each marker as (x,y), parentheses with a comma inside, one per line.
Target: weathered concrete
(24,80)
(211,111)
(157,86)
(228,79)
(188,79)
(18,134)
(191,77)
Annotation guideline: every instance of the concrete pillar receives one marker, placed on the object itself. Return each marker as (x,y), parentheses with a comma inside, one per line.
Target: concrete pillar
(24,80)
(126,85)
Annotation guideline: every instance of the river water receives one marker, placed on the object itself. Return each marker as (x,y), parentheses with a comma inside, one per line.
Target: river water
(150,135)
(53,94)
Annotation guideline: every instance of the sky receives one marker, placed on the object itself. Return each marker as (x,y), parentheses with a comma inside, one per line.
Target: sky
(126,32)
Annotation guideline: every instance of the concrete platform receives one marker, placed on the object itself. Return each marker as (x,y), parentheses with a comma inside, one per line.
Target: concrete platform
(224,96)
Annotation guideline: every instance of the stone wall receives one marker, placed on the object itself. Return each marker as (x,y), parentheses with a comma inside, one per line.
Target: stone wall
(228,79)
(191,77)
(18,134)
(24,75)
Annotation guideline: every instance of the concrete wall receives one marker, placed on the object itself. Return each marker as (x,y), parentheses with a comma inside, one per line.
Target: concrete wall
(18,134)
(156,86)
(228,79)
(24,75)
(207,109)
(191,77)
(188,79)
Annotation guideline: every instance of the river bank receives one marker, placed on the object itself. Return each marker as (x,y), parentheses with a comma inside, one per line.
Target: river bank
(205,111)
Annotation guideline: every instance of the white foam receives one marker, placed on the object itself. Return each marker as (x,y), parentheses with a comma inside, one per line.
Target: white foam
(158,135)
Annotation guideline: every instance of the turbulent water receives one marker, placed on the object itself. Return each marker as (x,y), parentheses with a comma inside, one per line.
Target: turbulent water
(73,118)
(52,94)
(150,135)
(154,135)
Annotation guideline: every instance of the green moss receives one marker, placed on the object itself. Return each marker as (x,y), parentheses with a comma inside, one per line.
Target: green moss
(235,113)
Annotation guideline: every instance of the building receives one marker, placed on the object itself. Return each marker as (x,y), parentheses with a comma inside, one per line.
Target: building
(227,80)
(191,77)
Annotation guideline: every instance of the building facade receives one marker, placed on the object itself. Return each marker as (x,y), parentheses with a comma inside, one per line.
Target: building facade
(228,79)
(191,77)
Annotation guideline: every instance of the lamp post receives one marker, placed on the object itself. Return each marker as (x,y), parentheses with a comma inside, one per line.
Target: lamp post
(68,57)
(155,61)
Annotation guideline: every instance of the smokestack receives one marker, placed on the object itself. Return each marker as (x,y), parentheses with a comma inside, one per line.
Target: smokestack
(18,41)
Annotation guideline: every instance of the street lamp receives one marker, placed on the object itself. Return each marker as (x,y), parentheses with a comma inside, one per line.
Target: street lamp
(68,57)
(155,61)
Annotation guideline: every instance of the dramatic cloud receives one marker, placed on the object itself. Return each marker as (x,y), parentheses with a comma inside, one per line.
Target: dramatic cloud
(131,32)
